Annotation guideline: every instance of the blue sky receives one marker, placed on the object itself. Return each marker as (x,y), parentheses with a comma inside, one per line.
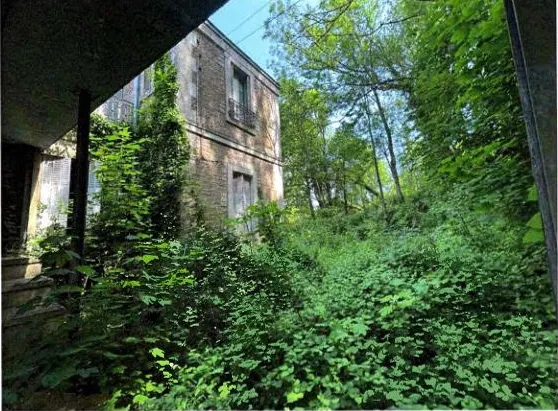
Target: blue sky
(228,17)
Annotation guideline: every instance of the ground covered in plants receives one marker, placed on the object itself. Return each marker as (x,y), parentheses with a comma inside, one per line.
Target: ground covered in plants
(332,312)
(433,316)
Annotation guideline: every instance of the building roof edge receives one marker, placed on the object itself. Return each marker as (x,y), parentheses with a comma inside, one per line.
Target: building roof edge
(229,42)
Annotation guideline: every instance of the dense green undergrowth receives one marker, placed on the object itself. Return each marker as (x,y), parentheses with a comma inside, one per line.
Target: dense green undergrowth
(335,312)
(454,315)
(452,310)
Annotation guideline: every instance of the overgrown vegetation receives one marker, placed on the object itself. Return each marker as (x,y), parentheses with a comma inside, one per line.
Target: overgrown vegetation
(430,316)
(408,270)
(165,150)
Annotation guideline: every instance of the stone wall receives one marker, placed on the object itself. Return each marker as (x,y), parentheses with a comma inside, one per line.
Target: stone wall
(210,169)
(204,63)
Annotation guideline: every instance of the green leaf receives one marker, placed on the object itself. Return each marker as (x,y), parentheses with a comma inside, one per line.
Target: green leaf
(535,222)
(533,236)
(532,194)
(395,396)
(84,269)
(359,329)
(139,399)
(111,355)
(147,299)
(147,258)
(430,381)
(459,35)
(294,396)
(54,378)
(157,352)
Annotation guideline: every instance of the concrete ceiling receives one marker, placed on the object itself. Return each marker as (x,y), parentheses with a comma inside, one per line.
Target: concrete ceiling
(52,49)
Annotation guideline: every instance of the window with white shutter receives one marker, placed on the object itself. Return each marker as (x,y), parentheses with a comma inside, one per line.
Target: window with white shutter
(243,196)
(54,192)
(93,191)
(242,193)
(147,81)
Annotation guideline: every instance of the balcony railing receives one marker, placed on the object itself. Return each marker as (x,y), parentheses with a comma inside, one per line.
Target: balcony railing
(241,113)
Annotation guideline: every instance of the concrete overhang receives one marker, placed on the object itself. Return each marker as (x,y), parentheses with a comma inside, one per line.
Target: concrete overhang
(53,48)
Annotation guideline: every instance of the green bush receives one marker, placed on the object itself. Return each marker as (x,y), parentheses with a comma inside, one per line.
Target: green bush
(428,318)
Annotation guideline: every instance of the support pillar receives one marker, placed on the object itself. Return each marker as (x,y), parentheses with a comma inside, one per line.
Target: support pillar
(82,173)
(532,28)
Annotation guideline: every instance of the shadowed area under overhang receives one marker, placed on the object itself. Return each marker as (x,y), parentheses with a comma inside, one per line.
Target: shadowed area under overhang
(52,49)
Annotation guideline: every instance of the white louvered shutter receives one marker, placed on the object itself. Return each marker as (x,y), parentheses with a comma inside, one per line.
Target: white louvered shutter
(237,194)
(93,191)
(248,198)
(242,191)
(245,193)
(55,192)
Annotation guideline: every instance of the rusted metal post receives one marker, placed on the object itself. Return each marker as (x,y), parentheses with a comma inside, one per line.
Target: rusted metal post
(82,172)
(532,28)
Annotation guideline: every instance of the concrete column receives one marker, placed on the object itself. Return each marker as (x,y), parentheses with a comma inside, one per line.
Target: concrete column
(532,26)
(82,172)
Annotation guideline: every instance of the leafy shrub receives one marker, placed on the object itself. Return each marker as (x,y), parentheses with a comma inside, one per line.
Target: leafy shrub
(267,218)
(428,318)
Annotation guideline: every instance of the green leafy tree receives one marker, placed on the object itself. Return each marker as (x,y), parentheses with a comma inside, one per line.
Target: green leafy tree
(124,202)
(304,120)
(465,104)
(351,49)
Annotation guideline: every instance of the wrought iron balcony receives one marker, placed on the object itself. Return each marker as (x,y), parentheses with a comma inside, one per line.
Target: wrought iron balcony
(241,113)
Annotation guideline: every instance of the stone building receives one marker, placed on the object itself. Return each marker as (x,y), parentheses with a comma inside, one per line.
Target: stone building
(232,120)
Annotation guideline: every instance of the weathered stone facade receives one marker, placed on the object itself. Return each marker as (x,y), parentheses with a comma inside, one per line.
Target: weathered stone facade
(234,146)
(224,141)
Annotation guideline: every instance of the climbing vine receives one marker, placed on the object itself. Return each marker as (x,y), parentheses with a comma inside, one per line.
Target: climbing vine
(165,151)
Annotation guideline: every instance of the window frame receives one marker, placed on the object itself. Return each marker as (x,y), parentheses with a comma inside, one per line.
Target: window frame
(147,76)
(230,66)
(248,171)
(244,84)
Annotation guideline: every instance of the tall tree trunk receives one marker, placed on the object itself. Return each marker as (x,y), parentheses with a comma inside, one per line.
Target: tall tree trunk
(346,205)
(319,193)
(375,159)
(309,193)
(328,191)
(392,162)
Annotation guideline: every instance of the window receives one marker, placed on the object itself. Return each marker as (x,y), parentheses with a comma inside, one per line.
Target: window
(242,193)
(119,110)
(240,101)
(240,87)
(147,81)
(54,192)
